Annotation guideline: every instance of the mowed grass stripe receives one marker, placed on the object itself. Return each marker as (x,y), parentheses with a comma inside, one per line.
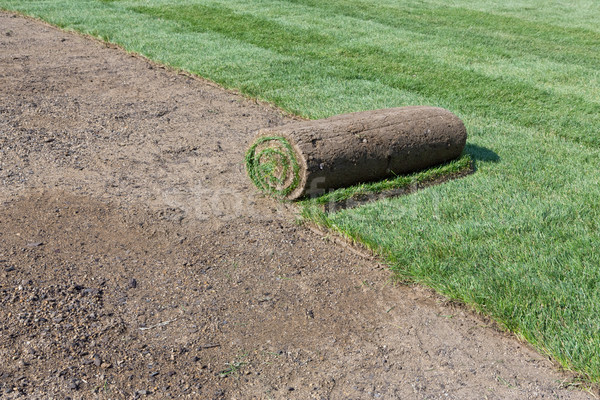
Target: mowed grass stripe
(495,45)
(448,45)
(572,14)
(521,103)
(490,35)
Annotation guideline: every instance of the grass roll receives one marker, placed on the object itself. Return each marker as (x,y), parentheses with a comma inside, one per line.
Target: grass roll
(309,158)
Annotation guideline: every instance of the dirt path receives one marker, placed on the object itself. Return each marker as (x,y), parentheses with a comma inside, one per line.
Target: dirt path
(136,259)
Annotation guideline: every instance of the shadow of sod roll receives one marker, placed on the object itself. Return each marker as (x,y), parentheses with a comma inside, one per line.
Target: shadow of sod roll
(310,157)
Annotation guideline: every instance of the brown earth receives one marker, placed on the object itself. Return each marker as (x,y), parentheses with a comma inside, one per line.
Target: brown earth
(136,259)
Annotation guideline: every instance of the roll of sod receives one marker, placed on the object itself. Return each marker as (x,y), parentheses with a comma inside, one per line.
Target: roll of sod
(310,157)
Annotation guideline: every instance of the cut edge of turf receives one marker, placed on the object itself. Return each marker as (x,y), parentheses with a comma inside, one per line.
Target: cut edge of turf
(314,214)
(357,195)
(316,220)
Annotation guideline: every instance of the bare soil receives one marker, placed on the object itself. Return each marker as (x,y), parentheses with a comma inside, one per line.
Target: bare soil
(137,260)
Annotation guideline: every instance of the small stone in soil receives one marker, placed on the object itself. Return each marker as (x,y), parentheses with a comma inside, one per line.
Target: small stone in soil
(90,292)
(9,269)
(132,284)
(74,384)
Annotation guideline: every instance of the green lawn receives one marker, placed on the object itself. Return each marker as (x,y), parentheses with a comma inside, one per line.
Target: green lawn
(519,238)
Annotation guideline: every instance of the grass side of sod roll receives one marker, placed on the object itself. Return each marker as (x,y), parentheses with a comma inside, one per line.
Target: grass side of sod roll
(273,169)
(519,238)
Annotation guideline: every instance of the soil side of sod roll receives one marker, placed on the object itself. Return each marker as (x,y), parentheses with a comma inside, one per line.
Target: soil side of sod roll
(308,158)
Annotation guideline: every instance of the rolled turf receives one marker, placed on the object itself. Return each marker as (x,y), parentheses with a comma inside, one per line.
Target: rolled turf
(310,157)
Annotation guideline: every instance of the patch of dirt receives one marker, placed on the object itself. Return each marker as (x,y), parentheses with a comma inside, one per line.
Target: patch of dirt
(136,260)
